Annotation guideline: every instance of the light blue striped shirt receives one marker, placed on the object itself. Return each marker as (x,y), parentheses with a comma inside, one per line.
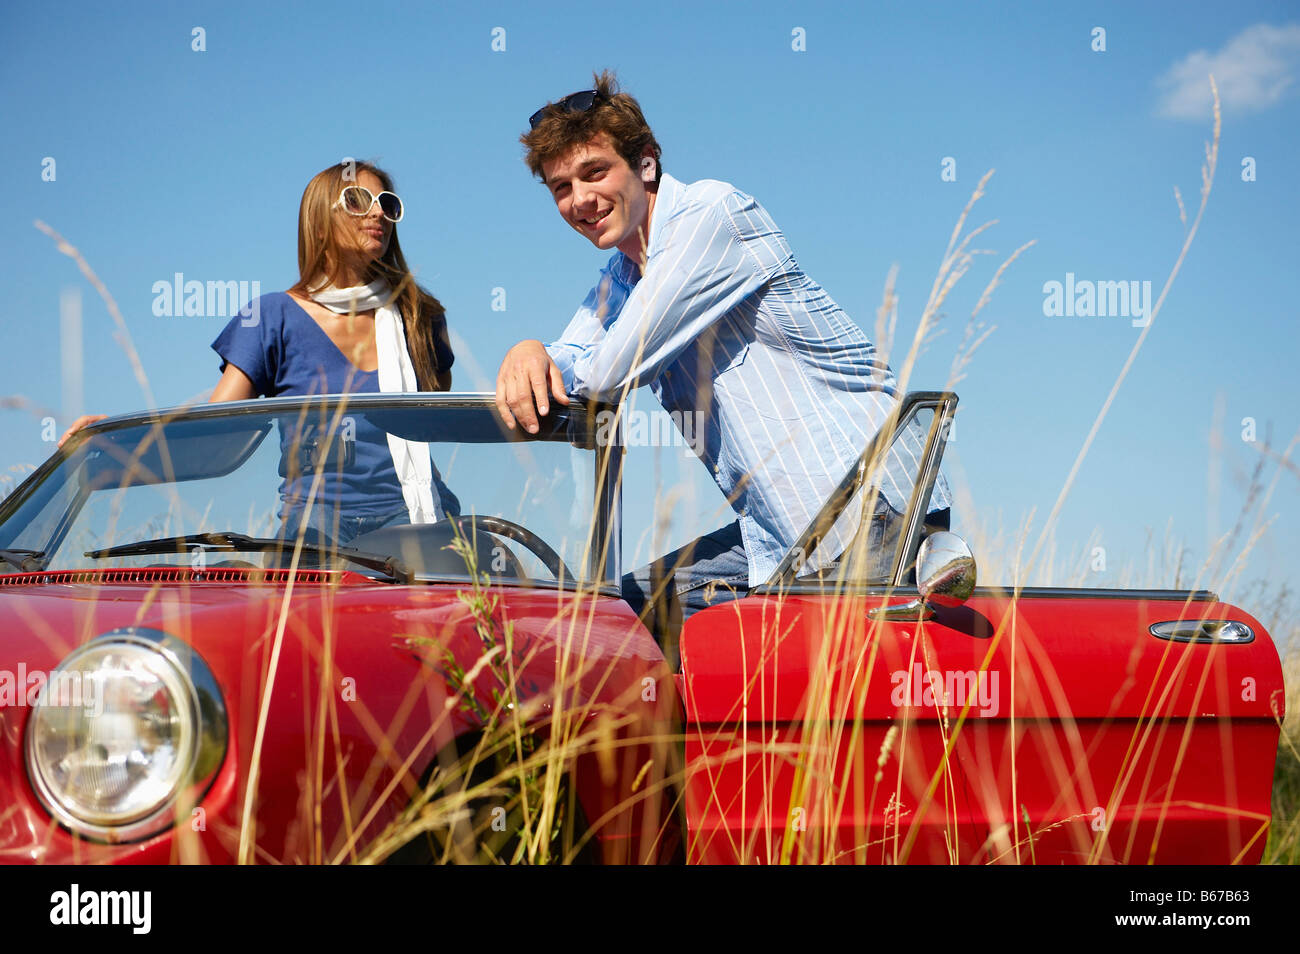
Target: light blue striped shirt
(724,322)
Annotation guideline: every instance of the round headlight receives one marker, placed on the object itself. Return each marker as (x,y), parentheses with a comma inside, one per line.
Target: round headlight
(123,728)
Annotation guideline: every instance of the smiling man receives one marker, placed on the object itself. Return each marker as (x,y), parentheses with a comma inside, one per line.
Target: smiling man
(703,301)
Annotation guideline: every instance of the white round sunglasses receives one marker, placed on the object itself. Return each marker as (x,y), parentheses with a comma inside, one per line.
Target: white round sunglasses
(358,200)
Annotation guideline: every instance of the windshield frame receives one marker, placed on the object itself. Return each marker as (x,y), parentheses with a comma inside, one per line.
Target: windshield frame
(575,424)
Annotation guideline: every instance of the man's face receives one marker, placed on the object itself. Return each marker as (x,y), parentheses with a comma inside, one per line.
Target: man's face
(601,197)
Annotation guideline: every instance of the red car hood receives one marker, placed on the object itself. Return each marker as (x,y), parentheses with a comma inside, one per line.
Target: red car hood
(387,639)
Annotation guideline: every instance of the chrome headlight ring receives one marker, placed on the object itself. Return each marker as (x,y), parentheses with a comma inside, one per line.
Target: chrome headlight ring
(144,741)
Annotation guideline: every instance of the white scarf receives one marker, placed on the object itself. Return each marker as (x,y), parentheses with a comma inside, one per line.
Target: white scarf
(396,373)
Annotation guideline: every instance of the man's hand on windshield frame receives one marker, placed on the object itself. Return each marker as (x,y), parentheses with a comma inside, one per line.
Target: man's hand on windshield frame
(526,376)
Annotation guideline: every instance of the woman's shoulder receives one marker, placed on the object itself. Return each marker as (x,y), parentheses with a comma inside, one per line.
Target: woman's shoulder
(269,310)
(278,302)
(261,319)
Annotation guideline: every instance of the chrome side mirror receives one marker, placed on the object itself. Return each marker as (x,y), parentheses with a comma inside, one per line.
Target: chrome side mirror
(945,570)
(945,573)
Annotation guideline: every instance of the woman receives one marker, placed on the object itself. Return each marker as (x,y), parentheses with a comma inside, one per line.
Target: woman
(355,322)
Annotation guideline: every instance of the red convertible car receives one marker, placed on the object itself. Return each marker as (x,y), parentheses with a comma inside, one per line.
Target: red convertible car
(188,676)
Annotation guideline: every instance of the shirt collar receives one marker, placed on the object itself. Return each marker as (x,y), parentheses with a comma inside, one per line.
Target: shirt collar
(666,199)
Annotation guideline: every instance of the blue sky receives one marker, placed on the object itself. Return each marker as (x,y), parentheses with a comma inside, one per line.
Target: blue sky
(173,160)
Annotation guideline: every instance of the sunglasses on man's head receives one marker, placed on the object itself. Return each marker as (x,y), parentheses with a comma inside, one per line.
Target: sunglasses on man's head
(358,200)
(578,102)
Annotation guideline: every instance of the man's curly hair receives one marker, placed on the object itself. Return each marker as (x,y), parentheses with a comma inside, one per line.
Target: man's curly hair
(616,114)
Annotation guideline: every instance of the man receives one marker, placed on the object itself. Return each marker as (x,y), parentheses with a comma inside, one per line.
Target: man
(704,302)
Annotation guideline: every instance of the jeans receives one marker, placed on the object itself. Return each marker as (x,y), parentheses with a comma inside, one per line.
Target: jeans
(714,568)
(883,529)
(326,525)
(716,558)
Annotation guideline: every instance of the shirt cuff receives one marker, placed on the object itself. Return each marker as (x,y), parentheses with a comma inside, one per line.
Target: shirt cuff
(565,357)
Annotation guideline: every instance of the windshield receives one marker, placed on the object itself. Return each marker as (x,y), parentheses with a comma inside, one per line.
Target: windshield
(239,484)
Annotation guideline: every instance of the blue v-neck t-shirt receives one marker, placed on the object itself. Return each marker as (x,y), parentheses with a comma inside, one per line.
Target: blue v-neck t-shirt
(283,351)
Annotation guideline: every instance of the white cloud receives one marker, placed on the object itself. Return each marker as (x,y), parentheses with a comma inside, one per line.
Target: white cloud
(1253,71)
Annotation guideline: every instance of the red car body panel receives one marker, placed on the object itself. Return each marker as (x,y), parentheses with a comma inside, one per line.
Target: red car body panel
(339,757)
(1086,737)
(1053,727)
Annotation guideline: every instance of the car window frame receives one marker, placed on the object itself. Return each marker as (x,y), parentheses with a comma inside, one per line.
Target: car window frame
(944,405)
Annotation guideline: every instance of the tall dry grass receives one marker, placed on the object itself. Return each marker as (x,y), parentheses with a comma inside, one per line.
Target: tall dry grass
(520,765)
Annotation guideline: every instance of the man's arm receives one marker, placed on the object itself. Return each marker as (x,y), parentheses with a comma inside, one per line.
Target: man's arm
(522,385)
(701,273)
(530,367)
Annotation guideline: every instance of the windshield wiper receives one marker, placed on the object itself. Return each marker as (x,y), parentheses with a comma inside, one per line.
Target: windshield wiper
(29,561)
(398,571)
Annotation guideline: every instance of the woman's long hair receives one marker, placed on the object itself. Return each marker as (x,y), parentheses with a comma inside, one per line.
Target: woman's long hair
(320,260)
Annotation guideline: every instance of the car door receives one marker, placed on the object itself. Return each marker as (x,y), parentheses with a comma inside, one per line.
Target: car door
(827,720)
(811,731)
(1136,727)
